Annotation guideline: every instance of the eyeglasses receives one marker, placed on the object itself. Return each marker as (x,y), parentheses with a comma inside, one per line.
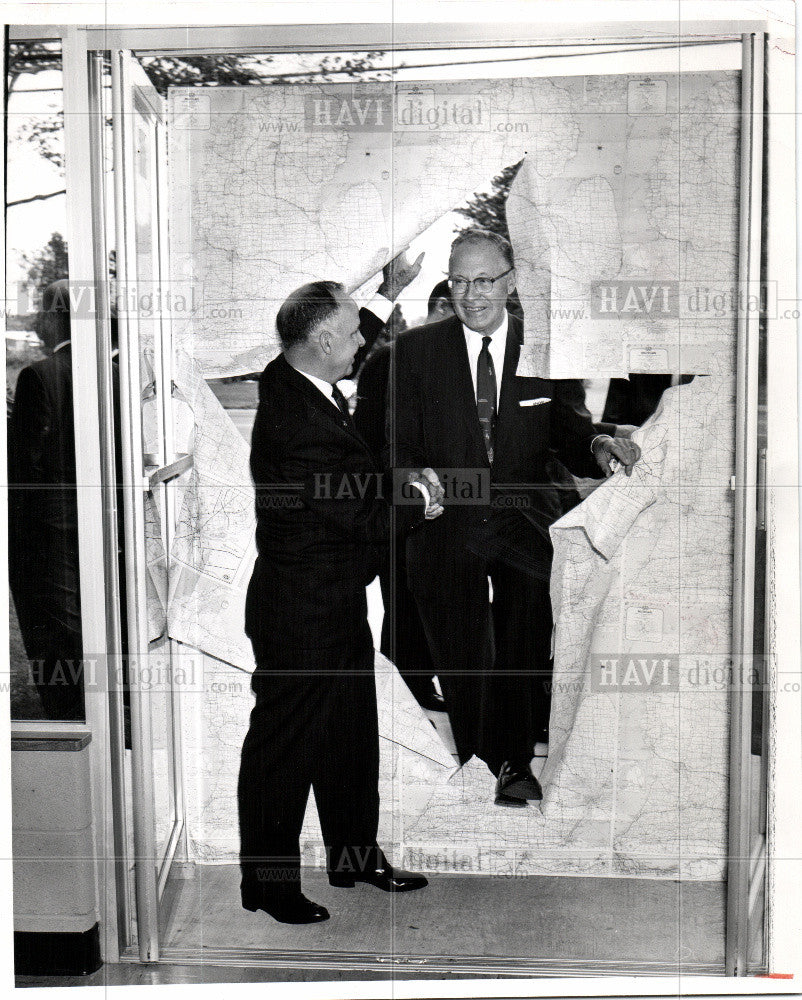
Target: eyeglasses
(482,286)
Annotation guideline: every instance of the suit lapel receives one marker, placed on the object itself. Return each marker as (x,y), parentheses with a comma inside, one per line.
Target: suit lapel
(315,397)
(456,383)
(511,355)
(508,401)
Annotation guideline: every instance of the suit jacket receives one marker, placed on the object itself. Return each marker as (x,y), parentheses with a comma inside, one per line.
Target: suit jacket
(634,400)
(432,421)
(370,326)
(370,415)
(322,522)
(43,506)
(371,401)
(43,514)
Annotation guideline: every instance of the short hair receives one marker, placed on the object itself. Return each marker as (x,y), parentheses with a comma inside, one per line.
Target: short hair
(53,321)
(440,291)
(56,297)
(479,235)
(305,309)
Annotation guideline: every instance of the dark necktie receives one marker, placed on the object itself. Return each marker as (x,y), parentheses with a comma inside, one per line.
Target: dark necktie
(486,395)
(342,403)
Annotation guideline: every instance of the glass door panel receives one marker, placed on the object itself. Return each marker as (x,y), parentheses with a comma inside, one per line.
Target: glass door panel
(144,344)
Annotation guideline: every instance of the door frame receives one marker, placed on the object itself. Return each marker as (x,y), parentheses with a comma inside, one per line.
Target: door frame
(135,104)
(782,893)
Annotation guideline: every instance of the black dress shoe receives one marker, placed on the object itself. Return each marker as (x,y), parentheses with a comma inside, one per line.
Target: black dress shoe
(295,909)
(515,780)
(387,878)
(509,800)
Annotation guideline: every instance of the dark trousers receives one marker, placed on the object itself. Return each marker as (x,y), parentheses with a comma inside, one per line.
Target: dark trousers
(493,660)
(314,725)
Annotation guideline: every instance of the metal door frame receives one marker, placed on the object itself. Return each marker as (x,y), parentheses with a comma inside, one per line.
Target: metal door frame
(82,206)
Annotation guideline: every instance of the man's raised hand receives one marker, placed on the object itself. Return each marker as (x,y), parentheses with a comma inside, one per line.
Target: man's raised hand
(397,274)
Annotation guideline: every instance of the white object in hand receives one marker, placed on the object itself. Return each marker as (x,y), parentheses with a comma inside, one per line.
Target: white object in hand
(424,492)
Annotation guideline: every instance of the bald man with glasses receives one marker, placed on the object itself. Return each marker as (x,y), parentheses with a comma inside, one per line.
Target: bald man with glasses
(460,416)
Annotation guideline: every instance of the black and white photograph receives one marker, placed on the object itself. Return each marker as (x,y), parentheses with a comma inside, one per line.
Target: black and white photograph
(401,509)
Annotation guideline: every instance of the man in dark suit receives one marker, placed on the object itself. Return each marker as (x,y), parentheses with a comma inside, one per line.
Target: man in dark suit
(403,639)
(322,532)
(43,515)
(459,405)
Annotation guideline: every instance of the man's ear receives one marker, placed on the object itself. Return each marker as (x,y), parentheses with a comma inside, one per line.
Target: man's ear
(511,282)
(324,339)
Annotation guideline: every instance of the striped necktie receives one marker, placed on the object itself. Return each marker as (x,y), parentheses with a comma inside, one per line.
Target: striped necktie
(486,396)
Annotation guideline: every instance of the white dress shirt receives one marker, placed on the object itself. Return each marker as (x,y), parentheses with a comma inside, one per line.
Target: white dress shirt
(596,390)
(497,348)
(324,386)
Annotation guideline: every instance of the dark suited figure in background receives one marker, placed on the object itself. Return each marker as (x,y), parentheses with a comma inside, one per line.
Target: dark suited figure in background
(321,534)
(632,401)
(403,638)
(43,515)
(460,405)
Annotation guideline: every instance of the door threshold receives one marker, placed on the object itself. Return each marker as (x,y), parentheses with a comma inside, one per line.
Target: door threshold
(473,965)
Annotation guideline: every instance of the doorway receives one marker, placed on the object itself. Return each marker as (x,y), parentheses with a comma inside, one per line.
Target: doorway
(178,870)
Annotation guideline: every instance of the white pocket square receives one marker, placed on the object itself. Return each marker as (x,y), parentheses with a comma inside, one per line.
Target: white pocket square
(534,402)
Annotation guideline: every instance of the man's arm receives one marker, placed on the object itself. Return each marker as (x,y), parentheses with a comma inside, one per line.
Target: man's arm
(371,327)
(396,276)
(581,447)
(292,470)
(371,400)
(405,448)
(573,434)
(30,424)
(572,392)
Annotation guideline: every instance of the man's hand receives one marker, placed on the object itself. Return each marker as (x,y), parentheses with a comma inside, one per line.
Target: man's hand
(428,482)
(398,274)
(625,430)
(608,450)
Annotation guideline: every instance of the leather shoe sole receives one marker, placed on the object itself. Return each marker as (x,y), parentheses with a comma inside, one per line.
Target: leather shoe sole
(518,782)
(524,788)
(502,799)
(299,911)
(395,882)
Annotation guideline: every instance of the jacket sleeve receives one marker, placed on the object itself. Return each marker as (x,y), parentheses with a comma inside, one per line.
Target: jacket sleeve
(29,428)
(572,392)
(370,326)
(404,414)
(291,470)
(405,446)
(572,434)
(371,403)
